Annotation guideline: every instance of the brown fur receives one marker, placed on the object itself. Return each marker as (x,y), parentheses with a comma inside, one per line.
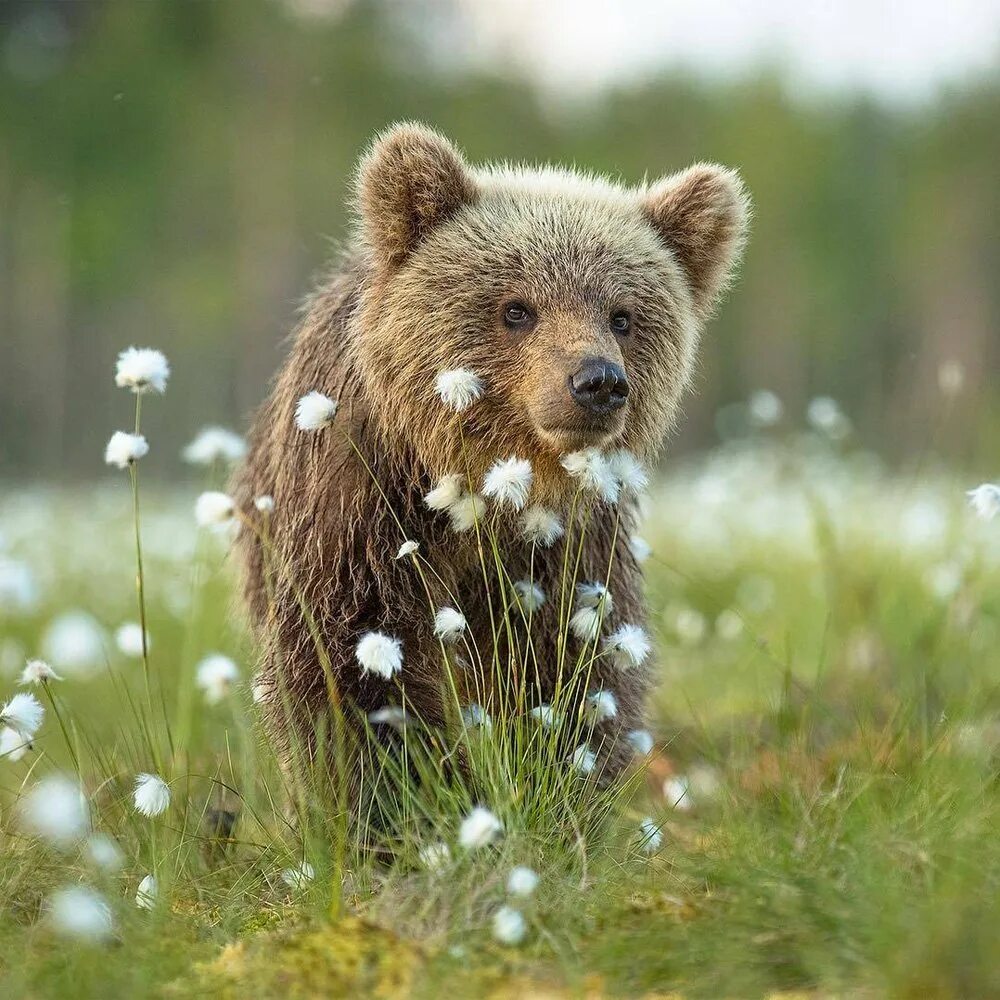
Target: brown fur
(440,248)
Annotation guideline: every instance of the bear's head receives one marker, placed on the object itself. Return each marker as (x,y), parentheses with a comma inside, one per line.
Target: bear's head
(577,301)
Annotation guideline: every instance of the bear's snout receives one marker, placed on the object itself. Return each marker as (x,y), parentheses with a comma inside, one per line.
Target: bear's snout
(599,386)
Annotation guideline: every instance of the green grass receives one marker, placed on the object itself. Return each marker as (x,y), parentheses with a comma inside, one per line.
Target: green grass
(842,754)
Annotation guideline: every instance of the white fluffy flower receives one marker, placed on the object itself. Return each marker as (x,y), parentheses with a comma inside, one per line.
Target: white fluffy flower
(214,444)
(593,472)
(18,587)
(314,411)
(128,639)
(594,595)
(951,377)
(765,408)
(449,624)
(509,926)
(216,675)
(522,881)
(38,672)
(147,893)
(74,643)
(142,369)
(529,595)
(23,713)
(458,388)
(479,829)
(124,448)
(264,503)
(601,706)
(690,626)
(641,741)
(650,836)
(509,482)
(378,653)
(299,876)
(13,746)
(79,912)
(827,417)
(586,624)
(434,857)
(985,500)
(476,717)
(628,646)
(467,511)
(214,510)
(628,471)
(640,548)
(728,625)
(544,715)
(407,548)
(151,795)
(447,492)
(541,526)
(390,715)
(584,759)
(104,852)
(677,792)
(56,810)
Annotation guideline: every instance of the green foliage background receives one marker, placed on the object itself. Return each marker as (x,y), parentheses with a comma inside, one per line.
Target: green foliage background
(172,174)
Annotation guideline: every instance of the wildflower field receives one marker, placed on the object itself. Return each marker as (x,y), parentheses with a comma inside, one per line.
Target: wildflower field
(815,813)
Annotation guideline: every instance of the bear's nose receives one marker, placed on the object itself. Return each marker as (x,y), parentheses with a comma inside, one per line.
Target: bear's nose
(599,386)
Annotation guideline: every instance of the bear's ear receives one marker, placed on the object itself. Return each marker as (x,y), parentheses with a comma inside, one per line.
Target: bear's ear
(702,214)
(410,181)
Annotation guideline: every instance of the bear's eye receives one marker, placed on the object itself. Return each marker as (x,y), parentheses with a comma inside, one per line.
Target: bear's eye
(620,322)
(516,314)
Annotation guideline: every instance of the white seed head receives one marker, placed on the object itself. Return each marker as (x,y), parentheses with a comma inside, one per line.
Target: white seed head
(826,416)
(640,548)
(591,469)
(545,715)
(23,713)
(151,796)
(407,548)
(448,491)
(479,829)
(628,646)
(585,624)
(985,500)
(641,741)
(677,792)
(594,595)
(529,595)
(38,672)
(509,482)
(601,706)
(628,471)
(476,717)
(951,377)
(522,881)
(449,624)
(128,639)
(104,853)
(541,525)
(13,746)
(56,810)
(378,653)
(690,626)
(390,715)
(765,408)
(584,760)
(509,926)
(215,444)
(142,369)
(650,836)
(468,511)
(215,510)
(314,411)
(728,625)
(264,503)
(124,448)
(216,675)
(147,893)
(81,913)
(299,877)
(458,388)
(434,857)
(74,643)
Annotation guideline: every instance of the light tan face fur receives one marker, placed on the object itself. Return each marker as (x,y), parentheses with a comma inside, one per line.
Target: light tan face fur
(451,249)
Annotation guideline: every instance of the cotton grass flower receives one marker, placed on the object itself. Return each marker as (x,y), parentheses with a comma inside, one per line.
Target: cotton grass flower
(522,881)
(468,511)
(216,674)
(509,482)
(264,504)
(215,444)
(476,717)
(23,713)
(601,706)
(13,746)
(299,877)
(594,595)
(407,548)
(541,526)
(56,811)
(128,639)
(151,795)
(215,510)
(650,836)
(314,411)
(381,654)
(586,624)
(142,369)
(641,549)
(985,500)
(81,913)
(73,642)
(38,672)
(125,448)
(458,388)
(479,829)
(591,469)
(449,624)
(147,893)
(435,857)
(951,377)
(529,595)
(509,926)
(446,493)
(765,408)
(641,741)
(390,715)
(728,625)
(628,471)
(826,416)
(677,792)
(584,760)
(628,646)
(545,715)
(104,853)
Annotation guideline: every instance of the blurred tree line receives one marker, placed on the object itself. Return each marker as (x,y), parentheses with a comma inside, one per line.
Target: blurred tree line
(172,175)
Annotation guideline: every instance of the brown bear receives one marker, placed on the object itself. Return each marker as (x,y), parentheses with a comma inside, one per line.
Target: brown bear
(560,313)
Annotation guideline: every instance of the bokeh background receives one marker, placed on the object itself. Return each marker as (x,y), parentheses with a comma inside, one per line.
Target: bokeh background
(174,174)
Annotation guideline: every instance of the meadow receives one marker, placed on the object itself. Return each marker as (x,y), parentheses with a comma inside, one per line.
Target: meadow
(817,817)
